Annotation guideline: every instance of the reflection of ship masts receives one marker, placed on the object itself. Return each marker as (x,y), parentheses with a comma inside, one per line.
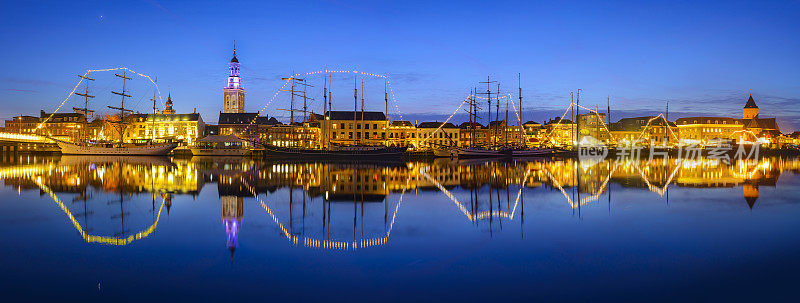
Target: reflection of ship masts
(86,111)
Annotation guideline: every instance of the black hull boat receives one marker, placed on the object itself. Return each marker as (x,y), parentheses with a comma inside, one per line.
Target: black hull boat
(345,152)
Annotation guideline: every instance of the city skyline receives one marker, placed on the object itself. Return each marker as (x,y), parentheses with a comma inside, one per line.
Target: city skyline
(640,56)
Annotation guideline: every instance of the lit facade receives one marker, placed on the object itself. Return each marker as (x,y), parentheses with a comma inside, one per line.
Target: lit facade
(186,128)
(438,134)
(233,93)
(349,128)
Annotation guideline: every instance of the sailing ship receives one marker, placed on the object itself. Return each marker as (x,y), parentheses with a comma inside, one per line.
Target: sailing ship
(494,150)
(85,147)
(356,151)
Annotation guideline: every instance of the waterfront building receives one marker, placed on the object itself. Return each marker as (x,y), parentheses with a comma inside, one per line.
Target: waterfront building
(233,93)
(644,130)
(22,124)
(249,125)
(701,130)
(184,128)
(437,134)
(63,126)
(764,129)
(305,135)
(533,132)
(593,124)
(466,133)
(352,128)
(559,132)
(402,133)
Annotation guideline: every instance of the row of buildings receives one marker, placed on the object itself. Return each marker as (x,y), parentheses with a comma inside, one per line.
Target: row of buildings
(373,128)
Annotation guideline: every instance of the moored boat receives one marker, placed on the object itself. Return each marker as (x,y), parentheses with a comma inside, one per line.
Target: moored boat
(354,152)
(532,152)
(69,148)
(220,145)
(477,152)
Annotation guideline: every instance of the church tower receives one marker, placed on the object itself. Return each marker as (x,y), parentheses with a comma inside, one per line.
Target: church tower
(750,110)
(233,93)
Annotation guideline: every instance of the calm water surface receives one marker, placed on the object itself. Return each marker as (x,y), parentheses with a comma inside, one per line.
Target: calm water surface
(136,229)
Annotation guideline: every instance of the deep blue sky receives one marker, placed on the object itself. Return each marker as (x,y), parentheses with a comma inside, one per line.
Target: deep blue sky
(705,57)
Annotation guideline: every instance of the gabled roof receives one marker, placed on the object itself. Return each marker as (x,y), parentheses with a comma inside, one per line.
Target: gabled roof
(496,123)
(762,123)
(471,125)
(162,117)
(751,103)
(348,115)
(236,118)
(435,125)
(401,123)
(706,120)
(531,122)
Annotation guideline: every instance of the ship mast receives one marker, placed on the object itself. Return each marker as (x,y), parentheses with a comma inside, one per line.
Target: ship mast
(386,109)
(355,105)
(488,94)
(155,109)
(330,105)
(362,110)
(85,108)
(325,120)
(521,129)
(121,108)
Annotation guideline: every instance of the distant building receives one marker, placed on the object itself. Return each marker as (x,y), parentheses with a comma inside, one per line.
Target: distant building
(65,126)
(593,124)
(559,132)
(348,127)
(233,93)
(22,124)
(765,129)
(533,132)
(701,130)
(402,133)
(185,128)
(437,134)
(480,132)
(243,124)
(644,130)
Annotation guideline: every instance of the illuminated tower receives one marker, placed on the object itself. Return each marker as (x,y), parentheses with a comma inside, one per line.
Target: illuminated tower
(233,93)
(750,110)
(168,106)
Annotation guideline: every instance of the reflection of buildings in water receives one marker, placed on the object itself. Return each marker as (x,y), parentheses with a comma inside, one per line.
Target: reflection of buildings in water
(232,214)
(357,184)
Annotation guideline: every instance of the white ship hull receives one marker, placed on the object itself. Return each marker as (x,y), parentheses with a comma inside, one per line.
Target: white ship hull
(219,151)
(144,150)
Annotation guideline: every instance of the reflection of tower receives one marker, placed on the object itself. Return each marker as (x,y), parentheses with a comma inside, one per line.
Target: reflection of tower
(232,213)
(750,193)
(233,93)
(168,201)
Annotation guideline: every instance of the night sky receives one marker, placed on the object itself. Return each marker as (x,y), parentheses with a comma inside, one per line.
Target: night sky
(702,57)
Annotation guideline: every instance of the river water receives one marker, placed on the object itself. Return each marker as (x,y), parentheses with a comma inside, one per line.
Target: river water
(202,229)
